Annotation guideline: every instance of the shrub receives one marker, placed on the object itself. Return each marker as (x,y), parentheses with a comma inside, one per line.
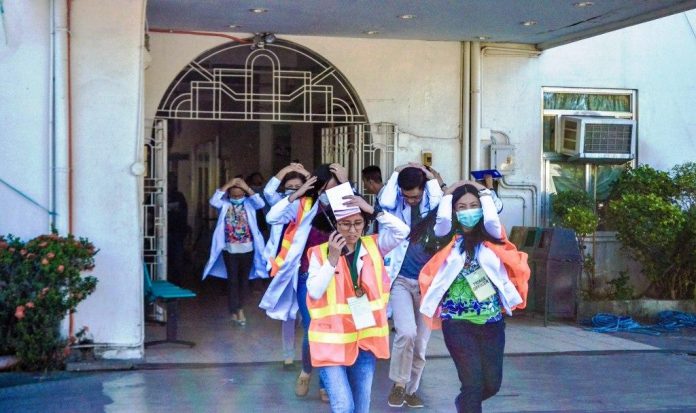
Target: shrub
(41,282)
(655,216)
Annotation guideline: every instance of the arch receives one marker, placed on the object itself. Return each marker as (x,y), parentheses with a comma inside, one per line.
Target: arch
(222,84)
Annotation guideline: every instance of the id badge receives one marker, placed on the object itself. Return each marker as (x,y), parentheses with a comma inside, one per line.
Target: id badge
(361,312)
(480,284)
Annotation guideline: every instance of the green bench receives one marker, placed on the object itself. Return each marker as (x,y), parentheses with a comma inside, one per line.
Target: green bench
(170,294)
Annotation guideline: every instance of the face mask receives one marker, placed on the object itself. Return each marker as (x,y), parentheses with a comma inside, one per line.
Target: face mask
(289,192)
(469,217)
(324,199)
(239,201)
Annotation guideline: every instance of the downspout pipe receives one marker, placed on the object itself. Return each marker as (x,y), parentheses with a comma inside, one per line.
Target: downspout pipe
(59,118)
(465,107)
(475,153)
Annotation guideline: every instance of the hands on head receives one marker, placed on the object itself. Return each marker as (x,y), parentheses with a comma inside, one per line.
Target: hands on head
(429,172)
(357,201)
(450,189)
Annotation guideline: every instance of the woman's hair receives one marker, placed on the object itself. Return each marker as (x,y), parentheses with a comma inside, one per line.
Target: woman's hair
(478,234)
(291,175)
(325,220)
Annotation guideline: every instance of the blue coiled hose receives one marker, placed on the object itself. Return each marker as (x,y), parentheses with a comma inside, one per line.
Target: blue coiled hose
(667,321)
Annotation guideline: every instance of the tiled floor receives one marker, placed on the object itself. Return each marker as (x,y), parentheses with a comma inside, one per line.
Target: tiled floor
(205,321)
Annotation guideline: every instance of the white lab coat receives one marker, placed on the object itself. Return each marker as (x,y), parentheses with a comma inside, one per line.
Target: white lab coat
(392,201)
(487,259)
(280,299)
(216,265)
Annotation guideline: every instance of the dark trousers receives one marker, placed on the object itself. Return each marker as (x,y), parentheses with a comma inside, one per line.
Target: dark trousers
(477,351)
(238,267)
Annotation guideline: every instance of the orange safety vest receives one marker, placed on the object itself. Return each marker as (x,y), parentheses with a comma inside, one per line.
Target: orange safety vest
(515,263)
(333,338)
(290,231)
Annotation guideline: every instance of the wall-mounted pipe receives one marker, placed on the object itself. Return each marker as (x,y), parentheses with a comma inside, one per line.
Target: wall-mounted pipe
(475,154)
(464,108)
(524,204)
(59,115)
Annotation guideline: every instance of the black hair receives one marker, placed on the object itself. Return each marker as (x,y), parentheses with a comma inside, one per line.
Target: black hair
(325,220)
(478,234)
(411,178)
(291,175)
(372,173)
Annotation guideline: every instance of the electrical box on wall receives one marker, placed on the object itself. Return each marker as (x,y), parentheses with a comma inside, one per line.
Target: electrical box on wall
(503,158)
(427,158)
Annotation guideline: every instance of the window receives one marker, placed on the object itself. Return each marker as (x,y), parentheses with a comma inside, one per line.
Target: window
(561,172)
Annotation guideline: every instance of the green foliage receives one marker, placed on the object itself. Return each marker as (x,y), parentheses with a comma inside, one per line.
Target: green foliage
(644,180)
(580,219)
(655,216)
(40,283)
(619,288)
(565,200)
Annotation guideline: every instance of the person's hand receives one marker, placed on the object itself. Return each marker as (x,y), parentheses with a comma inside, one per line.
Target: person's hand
(298,167)
(281,174)
(309,184)
(241,184)
(336,245)
(428,174)
(339,171)
(232,182)
(437,176)
(401,167)
(357,201)
(488,181)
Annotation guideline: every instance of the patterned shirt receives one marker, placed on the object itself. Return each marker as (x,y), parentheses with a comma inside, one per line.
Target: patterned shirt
(460,303)
(237,231)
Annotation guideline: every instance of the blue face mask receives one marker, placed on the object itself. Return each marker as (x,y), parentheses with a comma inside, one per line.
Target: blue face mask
(239,201)
(469,217)
(289,192)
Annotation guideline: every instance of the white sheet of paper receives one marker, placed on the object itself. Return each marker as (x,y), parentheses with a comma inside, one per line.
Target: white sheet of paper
(361,311)
(336,200)
(480,284)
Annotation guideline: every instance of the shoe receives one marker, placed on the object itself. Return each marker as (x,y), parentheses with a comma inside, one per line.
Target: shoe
(323,395)
(302,386)
(413,401)
(397,396)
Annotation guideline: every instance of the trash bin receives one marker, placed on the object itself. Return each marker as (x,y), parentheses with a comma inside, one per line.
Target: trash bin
(556,264)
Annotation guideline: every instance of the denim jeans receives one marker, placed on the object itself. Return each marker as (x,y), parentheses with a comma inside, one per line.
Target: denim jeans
(304,313)
(349,387)
(477,352)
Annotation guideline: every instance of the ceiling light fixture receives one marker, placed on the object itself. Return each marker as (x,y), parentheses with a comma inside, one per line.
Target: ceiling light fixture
(483,37)
(371,32)
(262,39)
(234,26)
(406,16)
(258,10)
(529,23)
(583,4)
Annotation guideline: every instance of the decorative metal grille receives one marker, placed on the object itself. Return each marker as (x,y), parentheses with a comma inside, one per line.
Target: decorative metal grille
(233,82)
(154,199)
(358,146)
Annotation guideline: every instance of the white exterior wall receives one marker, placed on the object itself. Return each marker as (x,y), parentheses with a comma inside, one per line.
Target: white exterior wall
(106,100)
(656,58)
(24,127)
(105,82)
(414,84)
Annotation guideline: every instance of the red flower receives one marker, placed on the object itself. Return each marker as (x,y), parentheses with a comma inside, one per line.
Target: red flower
(23,252)
(60,268)
(43,292)
(43,244)
(30,304)
(50,255)
(44,261)
(19,312)
(11,249)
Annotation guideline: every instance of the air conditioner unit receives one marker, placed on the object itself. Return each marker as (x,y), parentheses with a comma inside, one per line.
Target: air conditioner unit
(596,139)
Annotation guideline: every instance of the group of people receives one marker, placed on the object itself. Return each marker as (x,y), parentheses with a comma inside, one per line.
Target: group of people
(425,254)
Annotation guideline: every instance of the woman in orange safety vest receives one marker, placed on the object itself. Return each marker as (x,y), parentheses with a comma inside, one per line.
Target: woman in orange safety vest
(347,295)
(466,288)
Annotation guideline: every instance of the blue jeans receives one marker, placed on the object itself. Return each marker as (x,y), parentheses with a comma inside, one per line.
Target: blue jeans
(477,352)
(304,313)
(349,387)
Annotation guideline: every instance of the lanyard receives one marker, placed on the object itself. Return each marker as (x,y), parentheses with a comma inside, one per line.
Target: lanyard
(355,277)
